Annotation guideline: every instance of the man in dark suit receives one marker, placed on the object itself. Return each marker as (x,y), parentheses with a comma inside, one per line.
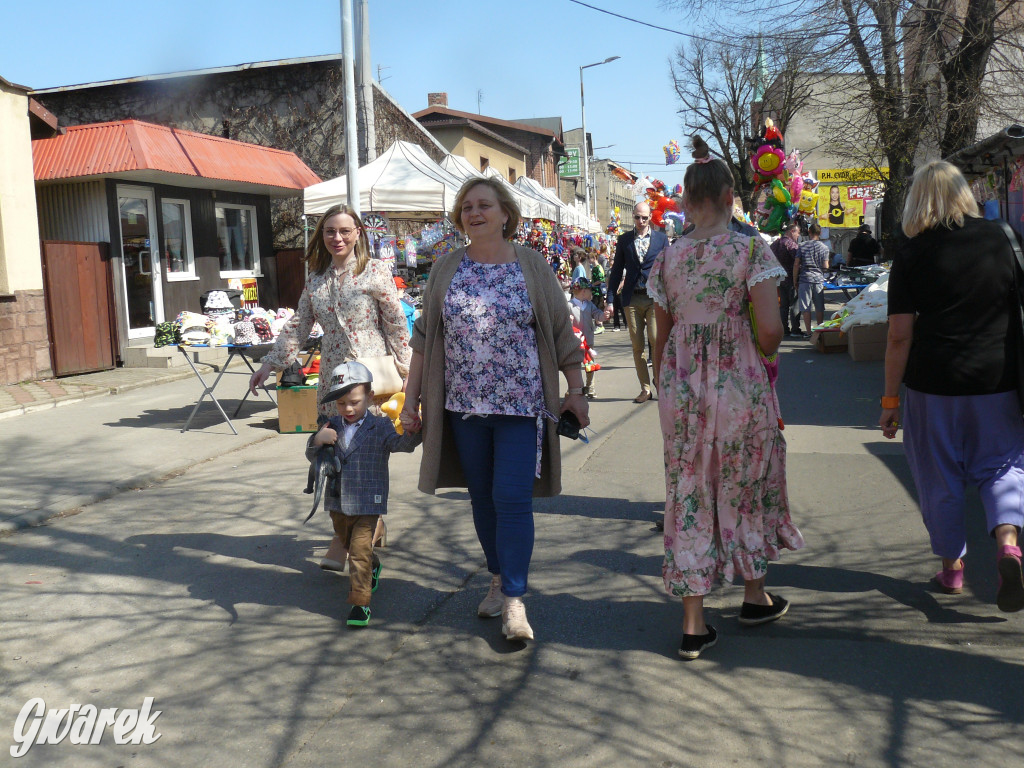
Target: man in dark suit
(635,253)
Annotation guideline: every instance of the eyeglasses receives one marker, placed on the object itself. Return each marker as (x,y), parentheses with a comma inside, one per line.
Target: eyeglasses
(641,218)
(347,232)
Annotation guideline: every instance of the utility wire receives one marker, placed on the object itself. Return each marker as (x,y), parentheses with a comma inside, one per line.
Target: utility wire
(718,41)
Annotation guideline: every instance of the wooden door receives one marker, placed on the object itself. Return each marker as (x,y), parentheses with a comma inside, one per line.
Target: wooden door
(291,277)
(79,306)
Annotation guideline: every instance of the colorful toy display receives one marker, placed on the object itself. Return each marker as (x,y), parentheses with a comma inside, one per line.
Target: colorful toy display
(659,202)
(615,225)
(787,192)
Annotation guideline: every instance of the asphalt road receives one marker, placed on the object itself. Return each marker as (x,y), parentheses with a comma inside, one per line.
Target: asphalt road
(182,573)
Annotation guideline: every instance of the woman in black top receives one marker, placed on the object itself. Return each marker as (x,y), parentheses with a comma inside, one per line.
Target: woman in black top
(951,292)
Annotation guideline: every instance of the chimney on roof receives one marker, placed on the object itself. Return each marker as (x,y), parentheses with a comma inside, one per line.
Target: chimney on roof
(437,99)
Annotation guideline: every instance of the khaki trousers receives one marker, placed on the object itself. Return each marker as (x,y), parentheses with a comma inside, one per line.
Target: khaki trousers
(356,534)
(642,327)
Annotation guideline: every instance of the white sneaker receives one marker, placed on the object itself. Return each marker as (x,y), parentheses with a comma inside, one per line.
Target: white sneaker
(493,603)
(513,620)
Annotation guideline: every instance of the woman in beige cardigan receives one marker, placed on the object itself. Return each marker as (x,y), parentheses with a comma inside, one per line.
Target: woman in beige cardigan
(494,333)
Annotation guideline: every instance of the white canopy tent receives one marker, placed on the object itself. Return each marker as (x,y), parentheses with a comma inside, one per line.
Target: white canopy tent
(529,207)
(460,168)
(531,188)
(569,215)
(403,178)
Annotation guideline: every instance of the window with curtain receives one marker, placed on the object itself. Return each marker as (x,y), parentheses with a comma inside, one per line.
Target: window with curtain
(236,240)
(179,259)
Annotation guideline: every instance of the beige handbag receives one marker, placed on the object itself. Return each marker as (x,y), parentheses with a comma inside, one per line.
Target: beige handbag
(386,379)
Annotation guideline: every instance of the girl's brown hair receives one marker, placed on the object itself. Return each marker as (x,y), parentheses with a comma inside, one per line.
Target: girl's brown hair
(707,177)
(319,257)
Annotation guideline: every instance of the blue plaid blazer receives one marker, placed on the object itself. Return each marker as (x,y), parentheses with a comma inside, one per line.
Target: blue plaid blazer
(362,488)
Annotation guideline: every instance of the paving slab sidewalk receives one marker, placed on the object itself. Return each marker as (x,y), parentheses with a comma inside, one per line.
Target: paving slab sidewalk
(55,460)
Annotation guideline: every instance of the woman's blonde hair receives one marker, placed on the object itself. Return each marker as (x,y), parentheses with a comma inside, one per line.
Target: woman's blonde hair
(939,196)
(319,257)
(505,200)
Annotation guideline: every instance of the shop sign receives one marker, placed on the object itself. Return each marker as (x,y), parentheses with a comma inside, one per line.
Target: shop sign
(250,292)
(570,166)
(849,175)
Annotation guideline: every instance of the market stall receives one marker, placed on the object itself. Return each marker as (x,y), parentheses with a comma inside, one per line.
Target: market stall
(405,198)
(402,179)
(995,168)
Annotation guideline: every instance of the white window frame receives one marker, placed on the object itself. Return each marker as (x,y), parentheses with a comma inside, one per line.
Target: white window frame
(257,271)
(190,272)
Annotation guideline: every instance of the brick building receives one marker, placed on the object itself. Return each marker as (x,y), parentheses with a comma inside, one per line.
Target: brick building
(24,340)
(539,139)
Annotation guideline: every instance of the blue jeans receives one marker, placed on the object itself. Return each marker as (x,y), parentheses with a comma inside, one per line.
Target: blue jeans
(499,456)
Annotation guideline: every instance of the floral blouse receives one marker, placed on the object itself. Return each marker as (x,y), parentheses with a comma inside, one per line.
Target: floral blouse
(361,316)
(490,348)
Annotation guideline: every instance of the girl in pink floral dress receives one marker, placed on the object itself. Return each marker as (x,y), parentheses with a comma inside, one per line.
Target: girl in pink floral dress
(726,509)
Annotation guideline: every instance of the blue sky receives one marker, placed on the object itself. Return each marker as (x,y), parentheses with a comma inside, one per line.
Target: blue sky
(523,55)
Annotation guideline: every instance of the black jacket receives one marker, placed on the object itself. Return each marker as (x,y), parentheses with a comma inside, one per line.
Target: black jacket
(627,263)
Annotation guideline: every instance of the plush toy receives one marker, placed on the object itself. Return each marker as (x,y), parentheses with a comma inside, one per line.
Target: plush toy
(393,409)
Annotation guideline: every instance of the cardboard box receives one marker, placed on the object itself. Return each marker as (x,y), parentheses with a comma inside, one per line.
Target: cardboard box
(829,341)
(296,409)
(867,342)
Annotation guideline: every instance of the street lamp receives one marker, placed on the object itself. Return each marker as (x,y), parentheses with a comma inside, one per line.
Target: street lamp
(583,115)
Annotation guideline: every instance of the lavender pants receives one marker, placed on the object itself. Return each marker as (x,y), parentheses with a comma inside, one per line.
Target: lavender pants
(952,441)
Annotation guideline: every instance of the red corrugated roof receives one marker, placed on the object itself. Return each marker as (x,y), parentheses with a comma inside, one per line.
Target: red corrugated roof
(131,145)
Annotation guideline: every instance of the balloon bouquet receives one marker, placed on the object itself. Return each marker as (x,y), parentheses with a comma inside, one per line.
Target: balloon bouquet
(781,179)
(661,203)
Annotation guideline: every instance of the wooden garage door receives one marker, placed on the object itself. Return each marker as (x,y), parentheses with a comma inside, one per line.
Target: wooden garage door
(79,306)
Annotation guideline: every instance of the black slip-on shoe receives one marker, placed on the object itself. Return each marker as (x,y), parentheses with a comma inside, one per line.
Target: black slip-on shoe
(752,614)
(694,645)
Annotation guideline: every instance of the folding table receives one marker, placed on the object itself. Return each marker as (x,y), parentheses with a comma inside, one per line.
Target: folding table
(845,288)
(234,350)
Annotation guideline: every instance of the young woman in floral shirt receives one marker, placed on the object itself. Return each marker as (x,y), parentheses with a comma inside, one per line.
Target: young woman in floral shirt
(354,299)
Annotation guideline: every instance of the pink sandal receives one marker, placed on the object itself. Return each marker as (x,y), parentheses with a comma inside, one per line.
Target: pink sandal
(1010,597)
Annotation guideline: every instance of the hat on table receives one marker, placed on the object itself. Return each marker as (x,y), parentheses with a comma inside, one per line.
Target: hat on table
(344,378)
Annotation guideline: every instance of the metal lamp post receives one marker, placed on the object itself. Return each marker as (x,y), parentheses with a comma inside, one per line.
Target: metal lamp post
(583,115)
